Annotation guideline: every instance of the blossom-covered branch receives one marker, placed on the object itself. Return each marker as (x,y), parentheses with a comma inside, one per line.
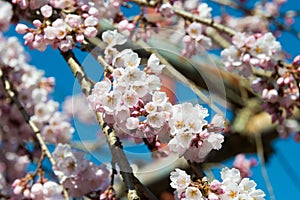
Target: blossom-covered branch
(13,96)
(113,141)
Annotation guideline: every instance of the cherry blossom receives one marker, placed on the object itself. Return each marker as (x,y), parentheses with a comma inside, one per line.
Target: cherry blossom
(166,10)
(58,32)
(244,165)
(80,176)
(231,187)
(180,179)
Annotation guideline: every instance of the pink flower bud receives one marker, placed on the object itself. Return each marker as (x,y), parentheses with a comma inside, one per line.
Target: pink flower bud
(130,27)
(273,95)
(93,11)
(17,190)
(265,93)
(37,23)
(85,15)
(187,39)
(65,45)
(135,113)
(296,60)
(157,144)
(143,111)
(90,31)
(84,7)
(246,58)
(28,37)
(215,185)
(204,134)
(46,11)
(280,81)
(21,28)
(91,21)
(50,32)
(26,193)
(200,143)
(122,25)
(79,38)
(16,182)
(141,103)
(116,5)
(287,80)
(166,10)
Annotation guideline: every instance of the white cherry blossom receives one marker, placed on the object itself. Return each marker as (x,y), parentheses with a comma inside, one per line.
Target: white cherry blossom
(154,64)
(193,193)
(132,123)
(230,175)
(113,38)
(132,60)
(179,179)
(194,30)
(159,98)
(204,11)
(155,119)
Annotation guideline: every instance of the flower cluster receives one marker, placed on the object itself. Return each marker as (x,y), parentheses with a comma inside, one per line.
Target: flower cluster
(132,95)
(247,52)
(279,89)
(233,186)
(33,90)
(195,40)
(289,127)
(191,138)
(41,190)
(263,13)
(12,167)
(134,105)
(79,175)
(80,21)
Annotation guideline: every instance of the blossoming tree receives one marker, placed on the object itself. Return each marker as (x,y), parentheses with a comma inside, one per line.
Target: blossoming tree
(252,76)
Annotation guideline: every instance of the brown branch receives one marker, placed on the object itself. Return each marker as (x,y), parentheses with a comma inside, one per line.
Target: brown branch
(39,165)
(111,137)
(12,94)
(192,17)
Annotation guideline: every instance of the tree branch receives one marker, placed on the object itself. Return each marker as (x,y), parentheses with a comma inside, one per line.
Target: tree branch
(12,94)
(111,137)
(191,17)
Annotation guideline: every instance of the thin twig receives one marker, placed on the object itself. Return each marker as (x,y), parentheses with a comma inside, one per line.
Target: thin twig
(197,169)
(192,17)
(260,154)
(39,165)
(11,92)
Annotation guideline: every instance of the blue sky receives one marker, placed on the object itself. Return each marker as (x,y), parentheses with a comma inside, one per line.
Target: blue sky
(283,166)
